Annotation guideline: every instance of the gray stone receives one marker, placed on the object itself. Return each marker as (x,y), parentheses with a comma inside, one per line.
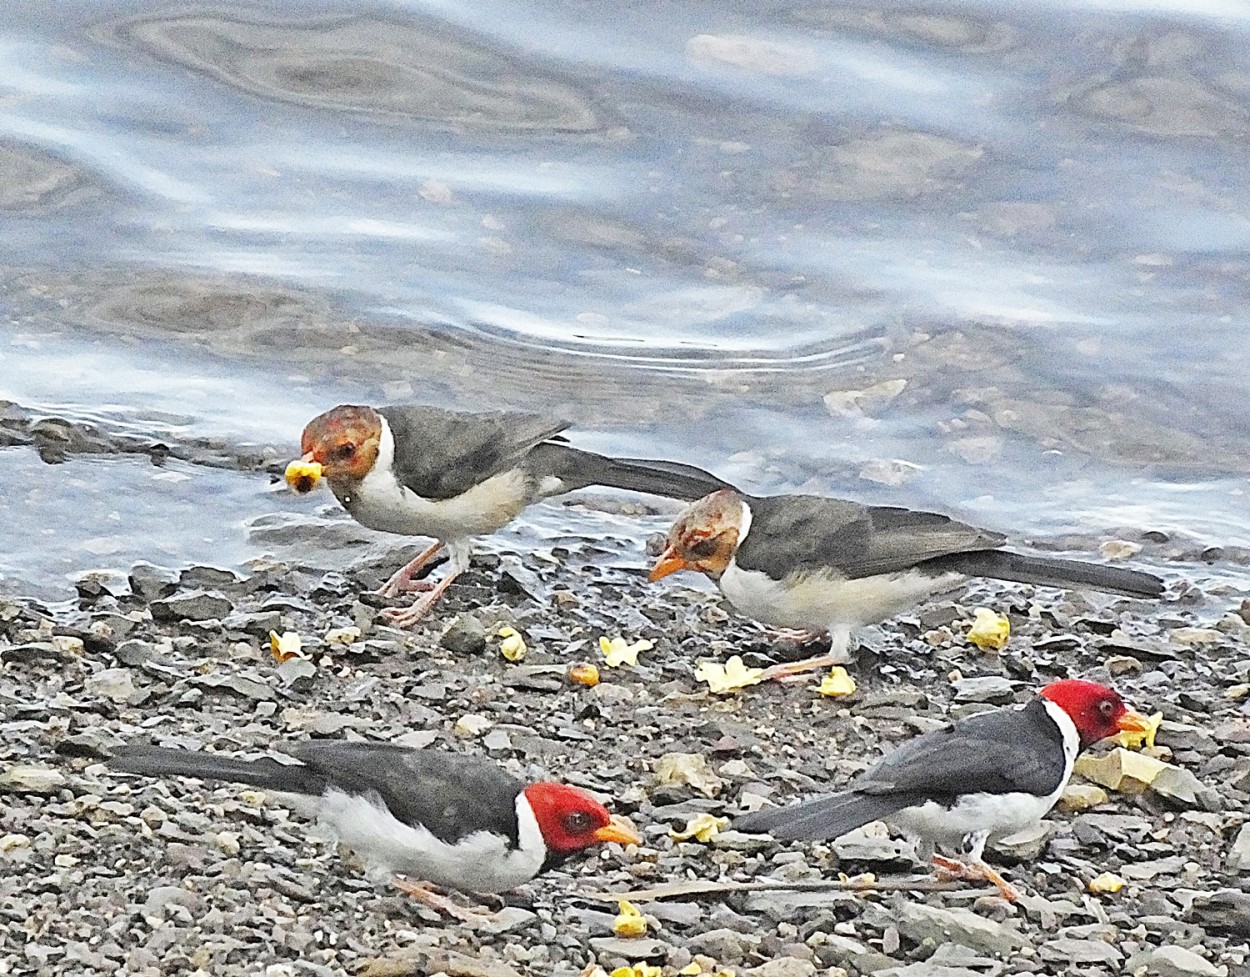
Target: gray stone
(1239,854)
(993,689)
(934,926)
(196,606)
(1176,961)
(1026,845)
(1145,871)
(858,846)
(151,582)
(134,652)
(239,685)
(465,635)
(30,780)
(114,684)
(1064,949)
(637,949)
(507,920)
(297,673)
(723,945)
(1181,789)
(783,967)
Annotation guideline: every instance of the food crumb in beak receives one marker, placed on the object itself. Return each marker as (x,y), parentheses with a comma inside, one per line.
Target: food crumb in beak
(303,476)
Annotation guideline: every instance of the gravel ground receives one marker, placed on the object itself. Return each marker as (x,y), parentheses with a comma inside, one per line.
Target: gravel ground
(104,874)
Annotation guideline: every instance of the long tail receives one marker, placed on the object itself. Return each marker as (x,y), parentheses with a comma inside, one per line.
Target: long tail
(1048,571)
(159,761)
(577,469)
(822,817)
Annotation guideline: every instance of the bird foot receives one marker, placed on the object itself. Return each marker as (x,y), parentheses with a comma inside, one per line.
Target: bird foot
(797,671)
(978,871)
(409,617)
(426,894)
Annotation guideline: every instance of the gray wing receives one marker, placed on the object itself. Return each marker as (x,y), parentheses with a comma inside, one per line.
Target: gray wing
(440,454)
(986,752)
(807,532)
(451,794)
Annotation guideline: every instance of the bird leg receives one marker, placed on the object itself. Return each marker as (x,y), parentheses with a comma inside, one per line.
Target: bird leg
(402,582)
(407,617)
(974,870)
(838,654)
(426,894)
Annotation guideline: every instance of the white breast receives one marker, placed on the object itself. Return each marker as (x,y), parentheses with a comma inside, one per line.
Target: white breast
(480,862)
(823,600)
(381,502)
(998,815)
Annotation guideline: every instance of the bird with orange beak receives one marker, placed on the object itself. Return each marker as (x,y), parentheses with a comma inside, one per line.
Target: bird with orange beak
(989,776)
(425,471)
(830,565)
(421,818)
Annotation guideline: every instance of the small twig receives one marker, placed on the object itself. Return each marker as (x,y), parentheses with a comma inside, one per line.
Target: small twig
(677,890)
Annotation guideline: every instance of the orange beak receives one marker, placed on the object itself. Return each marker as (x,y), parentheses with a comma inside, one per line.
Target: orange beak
(620,831)
(669,562)
(303,474)
(1132,722)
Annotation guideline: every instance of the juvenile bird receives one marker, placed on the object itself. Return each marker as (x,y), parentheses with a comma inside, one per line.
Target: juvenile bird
(820,564)
(425,471)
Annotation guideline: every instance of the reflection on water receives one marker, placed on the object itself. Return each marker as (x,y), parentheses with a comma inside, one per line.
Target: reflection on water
(978,256)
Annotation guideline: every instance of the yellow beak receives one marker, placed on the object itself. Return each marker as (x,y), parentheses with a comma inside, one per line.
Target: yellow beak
(1133,722)
(303,474)
(669,562)
(620,831)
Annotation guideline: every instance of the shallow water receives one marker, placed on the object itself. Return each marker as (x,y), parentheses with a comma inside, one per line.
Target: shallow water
(690,228)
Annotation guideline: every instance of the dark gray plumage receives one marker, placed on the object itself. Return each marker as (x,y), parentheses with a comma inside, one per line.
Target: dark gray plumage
(450,794)
(980,754)
(440,454)
(791,533)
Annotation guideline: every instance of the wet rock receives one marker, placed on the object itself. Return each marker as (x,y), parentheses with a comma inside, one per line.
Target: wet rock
(195,606)
(151,582)
(466,635)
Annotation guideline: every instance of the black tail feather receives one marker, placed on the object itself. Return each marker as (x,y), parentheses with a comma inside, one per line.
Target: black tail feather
(822,817)
(158,761)
(578,469)
(1046,571)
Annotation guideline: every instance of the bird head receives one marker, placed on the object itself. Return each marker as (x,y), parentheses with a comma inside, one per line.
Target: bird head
(570,819)
(704,537)
(1095,710)
(341,445)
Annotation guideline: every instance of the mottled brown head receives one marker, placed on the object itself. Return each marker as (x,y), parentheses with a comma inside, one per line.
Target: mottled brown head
(704,538)
(341,444)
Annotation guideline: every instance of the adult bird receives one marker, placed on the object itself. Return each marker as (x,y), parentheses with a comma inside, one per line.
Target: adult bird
(421,817)
(984,778)
(425,471)
(821,564)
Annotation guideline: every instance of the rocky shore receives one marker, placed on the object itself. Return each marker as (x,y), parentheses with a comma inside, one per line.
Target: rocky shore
(105,874)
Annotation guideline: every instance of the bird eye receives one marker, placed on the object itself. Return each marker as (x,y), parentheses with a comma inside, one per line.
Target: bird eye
(705,548)
(1107,708)
(577,823)
(344,451)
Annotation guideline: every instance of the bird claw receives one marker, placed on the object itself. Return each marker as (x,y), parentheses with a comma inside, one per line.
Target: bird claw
(407,617)
(392,588)
(952,868)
